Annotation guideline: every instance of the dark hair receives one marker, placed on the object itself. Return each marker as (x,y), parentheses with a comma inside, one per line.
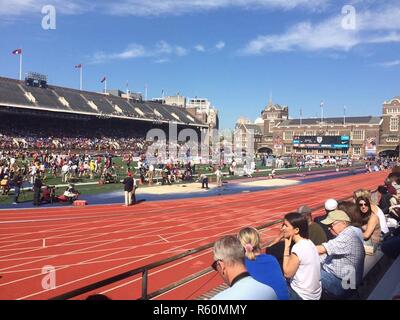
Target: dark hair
(364,216)
(352,211)
(297,220)
(382,189)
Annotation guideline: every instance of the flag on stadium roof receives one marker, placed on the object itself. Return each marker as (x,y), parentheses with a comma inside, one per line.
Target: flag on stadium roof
(17,51)
(104,79)
(78,66)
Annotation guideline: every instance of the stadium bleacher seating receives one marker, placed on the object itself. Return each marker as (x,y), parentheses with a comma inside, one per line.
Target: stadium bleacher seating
(12,92)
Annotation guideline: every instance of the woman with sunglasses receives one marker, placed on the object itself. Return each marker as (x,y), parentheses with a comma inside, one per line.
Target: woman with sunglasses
(262,267)
(302,265)
(370,223)
(374,208)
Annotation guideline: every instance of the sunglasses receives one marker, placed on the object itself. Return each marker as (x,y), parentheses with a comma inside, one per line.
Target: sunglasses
(214,265)
(363,204)
(333,224)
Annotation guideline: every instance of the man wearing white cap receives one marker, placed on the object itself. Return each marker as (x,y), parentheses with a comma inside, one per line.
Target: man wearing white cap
(330,205)
(342,259)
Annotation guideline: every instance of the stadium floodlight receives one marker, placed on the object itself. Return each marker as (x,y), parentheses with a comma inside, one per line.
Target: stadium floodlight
(36,79)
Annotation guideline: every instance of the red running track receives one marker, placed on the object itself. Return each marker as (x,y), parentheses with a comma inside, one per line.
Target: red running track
(92,243)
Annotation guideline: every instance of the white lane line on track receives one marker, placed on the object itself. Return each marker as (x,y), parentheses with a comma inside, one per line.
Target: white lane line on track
(164,239)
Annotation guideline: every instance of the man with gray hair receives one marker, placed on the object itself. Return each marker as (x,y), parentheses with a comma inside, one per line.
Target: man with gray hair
(342,259)
(229,263)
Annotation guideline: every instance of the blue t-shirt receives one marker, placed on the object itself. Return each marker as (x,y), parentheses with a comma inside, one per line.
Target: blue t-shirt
(265,268)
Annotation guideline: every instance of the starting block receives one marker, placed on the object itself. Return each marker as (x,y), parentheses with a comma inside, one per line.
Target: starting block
(80,203)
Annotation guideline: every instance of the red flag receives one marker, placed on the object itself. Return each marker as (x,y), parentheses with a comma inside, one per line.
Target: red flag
(78,66)
(104,79)
(17,51)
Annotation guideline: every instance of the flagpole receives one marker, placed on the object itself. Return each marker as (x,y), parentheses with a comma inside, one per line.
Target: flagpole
(20,66)
(322,111)
(145,92)
(301,116)
(105,86)
(344,115)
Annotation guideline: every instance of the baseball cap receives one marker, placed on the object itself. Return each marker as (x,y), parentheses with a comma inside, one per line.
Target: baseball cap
(336,215)
(304,210)
(331,204)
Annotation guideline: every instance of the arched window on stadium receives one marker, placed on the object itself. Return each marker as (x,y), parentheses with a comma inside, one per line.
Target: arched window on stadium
(175,116)
(139,111)
(30,97)
(92,105)
(394,124)
(63,101)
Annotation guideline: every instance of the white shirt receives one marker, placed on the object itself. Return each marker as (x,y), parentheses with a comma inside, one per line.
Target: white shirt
(65,168)
(382,221)
(307,280)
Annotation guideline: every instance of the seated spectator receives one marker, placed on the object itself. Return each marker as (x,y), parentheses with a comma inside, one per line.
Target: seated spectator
(351,209)
(342,258)
(384,202)
(375,209)
(370,224)
(391,246)
(330,205)
(262,267)
(394,209)
(301,265)
(229,263)
(5,185)
(316,232)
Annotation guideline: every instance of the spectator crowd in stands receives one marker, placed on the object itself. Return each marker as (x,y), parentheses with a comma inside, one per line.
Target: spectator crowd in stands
(313,259)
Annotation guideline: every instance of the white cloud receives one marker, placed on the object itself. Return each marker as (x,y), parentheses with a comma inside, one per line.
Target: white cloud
(389,64)
(220,45)
(180,51)
(377,26)
(179,7)
(200,48)
(161,61)
(161,50)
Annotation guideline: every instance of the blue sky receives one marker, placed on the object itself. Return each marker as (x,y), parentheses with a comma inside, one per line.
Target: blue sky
(233,52)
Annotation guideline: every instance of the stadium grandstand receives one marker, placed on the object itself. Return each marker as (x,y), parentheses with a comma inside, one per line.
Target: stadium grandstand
(35,111)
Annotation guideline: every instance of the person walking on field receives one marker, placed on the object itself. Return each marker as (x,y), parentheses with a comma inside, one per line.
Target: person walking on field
(128,188)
